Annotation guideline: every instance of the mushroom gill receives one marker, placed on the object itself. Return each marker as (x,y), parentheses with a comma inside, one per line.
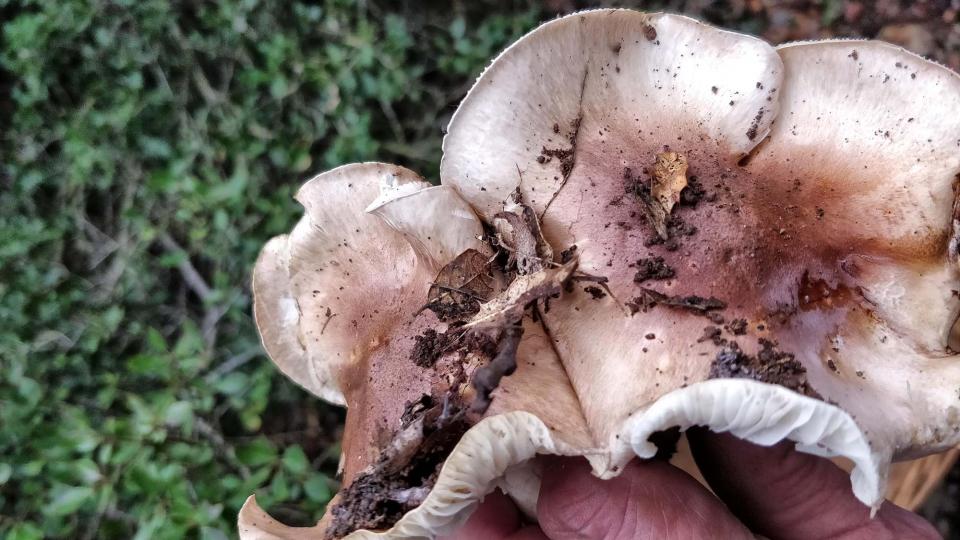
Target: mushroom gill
(644,222)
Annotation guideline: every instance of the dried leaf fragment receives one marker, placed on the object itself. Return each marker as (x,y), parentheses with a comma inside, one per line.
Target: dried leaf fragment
(461,286)
(668,180)
(518,231)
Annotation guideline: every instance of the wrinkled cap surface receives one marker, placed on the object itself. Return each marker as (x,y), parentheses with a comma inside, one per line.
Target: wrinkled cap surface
(698,229)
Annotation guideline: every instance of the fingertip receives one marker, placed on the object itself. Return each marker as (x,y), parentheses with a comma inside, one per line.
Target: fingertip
(496,517)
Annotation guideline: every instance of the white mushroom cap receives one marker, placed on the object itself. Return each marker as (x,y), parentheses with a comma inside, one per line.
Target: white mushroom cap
(829,228)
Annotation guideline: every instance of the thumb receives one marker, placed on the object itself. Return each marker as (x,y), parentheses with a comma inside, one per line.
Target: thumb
(649,499)
(784,494)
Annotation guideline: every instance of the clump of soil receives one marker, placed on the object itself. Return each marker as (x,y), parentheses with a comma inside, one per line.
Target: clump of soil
(430,346)
(770,365)
(737,327)
(755,125)
(594,291)
(568,254)
(712,334)
(694,193)
(652,268)
(676,228)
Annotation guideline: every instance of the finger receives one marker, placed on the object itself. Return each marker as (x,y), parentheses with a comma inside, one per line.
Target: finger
(784,494)
(496,518)
(528,533)
(649,499)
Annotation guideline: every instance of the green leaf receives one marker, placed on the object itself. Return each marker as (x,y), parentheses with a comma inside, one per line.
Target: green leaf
(5,472)
(211,533)
(68,500)
(179,413)
(25,531)
(259,452)
(280,487)
(317,488)
(295,460)
(233,383)
(458,28)
(149,365)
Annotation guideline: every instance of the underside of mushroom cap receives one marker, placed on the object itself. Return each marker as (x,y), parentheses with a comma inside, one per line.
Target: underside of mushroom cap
(756,240)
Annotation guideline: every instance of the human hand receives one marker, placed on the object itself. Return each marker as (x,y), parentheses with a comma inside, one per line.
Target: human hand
(774,492)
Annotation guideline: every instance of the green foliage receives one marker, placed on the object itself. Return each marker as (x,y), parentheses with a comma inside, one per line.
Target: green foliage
(149,149)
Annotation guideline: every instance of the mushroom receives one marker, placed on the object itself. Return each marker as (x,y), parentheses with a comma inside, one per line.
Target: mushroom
(644,222)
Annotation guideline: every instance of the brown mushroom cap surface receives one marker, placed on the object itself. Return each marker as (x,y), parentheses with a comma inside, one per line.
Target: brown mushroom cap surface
(801,283)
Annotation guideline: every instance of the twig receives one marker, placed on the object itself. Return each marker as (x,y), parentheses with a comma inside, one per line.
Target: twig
(230,364)
(214,436)
(190,274)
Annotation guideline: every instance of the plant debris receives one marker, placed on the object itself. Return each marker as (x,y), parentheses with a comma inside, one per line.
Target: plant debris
(666,183)
(518,232)
(461,286)
(669,179)
(770,365)
(650,298)
(405,472)
(414,409)
(486,379)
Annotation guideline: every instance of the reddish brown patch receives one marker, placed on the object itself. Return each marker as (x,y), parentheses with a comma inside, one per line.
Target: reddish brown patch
(649,32)
(818,294)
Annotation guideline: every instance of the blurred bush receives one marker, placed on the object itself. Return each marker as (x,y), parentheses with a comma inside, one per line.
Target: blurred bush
(149,148)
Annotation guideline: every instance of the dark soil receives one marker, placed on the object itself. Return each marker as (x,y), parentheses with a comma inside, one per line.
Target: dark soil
(429,347)
(594,291)
(652,268)
(712,334)
(737,327)
(770,365)
(566,156)
(752,132)
(694,193)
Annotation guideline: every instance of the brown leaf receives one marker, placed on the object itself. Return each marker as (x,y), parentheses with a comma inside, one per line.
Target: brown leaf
(461,286)
(518,230)
(669,179)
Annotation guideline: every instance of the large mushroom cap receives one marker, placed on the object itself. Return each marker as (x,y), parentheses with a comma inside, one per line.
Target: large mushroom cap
(645,222)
